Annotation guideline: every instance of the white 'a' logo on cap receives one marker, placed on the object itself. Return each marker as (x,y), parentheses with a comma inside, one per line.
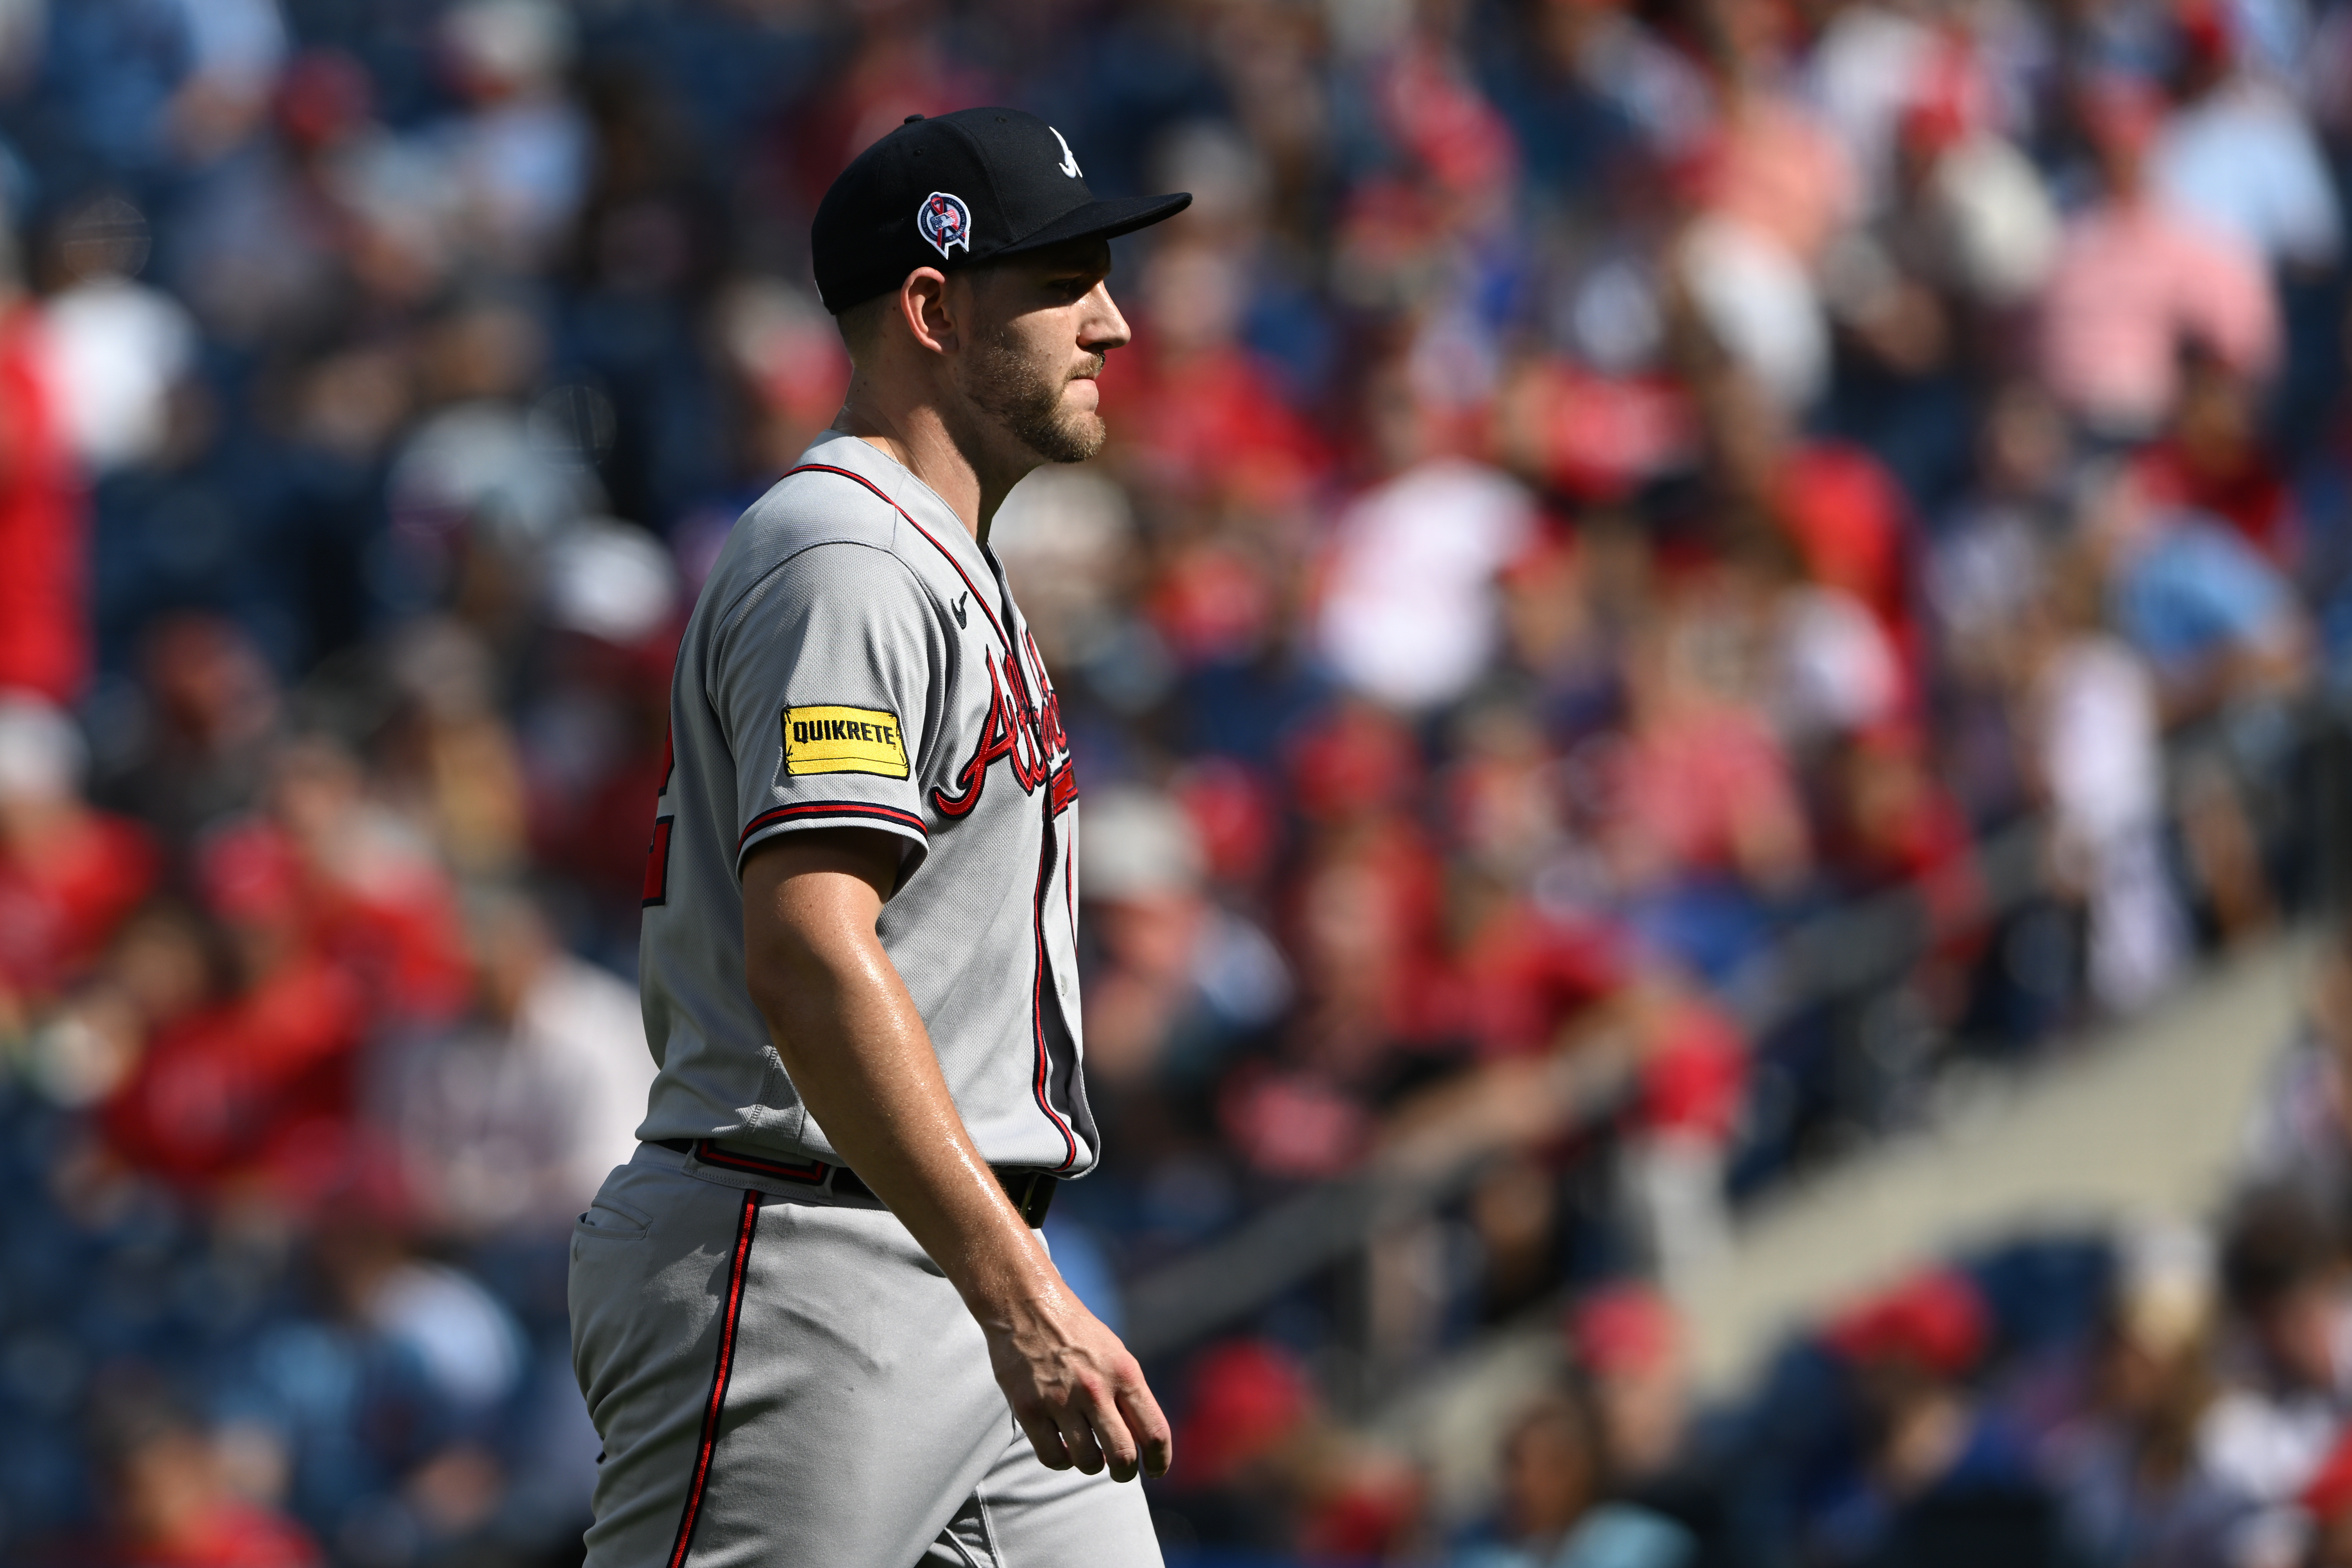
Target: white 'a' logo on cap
(1069,160)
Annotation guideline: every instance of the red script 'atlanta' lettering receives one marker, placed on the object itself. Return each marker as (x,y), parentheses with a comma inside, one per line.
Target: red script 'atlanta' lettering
(1017,729)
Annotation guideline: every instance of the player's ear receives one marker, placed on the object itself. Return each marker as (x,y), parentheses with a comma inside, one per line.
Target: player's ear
(923,301)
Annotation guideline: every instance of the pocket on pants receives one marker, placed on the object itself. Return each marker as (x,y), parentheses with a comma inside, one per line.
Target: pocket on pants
(609,1218)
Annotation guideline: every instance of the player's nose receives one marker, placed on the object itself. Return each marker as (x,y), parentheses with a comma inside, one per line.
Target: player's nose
(1101,327)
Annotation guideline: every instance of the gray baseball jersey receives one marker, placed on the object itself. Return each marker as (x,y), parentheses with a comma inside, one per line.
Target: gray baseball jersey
(856,660)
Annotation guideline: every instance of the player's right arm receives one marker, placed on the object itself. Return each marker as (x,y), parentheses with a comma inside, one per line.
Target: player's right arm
(862,1062)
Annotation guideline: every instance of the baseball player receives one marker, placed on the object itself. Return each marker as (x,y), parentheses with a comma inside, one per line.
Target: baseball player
(812,1317)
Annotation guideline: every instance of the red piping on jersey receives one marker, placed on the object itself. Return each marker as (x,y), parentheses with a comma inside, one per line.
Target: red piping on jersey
(977,596)
(1037,1001)
(1045,854)
(833,808)
(720,1375)
(710,1154)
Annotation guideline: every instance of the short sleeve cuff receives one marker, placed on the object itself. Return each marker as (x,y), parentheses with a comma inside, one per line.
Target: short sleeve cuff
(801,815)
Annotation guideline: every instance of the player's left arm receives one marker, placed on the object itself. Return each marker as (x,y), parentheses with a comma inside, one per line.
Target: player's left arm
(862,1063)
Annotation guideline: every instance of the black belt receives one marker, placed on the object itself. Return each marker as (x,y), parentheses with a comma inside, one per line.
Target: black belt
(1031,1190)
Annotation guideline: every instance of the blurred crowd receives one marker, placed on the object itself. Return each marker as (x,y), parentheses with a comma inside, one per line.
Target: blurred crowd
(2164,1395)
(1598,485)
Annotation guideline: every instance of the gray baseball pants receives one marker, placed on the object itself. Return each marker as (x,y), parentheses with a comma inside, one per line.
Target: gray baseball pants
(784,1379)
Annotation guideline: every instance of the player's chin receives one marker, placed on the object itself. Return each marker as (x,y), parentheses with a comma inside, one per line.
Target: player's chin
(1080,436)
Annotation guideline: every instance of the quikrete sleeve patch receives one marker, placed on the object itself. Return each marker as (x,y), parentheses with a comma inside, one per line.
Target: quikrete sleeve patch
(843,741)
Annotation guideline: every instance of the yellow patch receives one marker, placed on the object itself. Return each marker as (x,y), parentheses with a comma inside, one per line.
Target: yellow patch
(843,741)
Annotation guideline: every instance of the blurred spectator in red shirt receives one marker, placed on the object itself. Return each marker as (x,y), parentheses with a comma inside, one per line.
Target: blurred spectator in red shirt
(1772,169)
(211,708)
(2327,1502)
(2213,459)
(1501,797)
(1362,917)
(1893,823)
(1844,513)
(1365,904)
(373,898)
(255,1085)
(1275,1470)
(1690,1081)
(1520,980)
(1208,420)
(1628,1341)
(1594,437)
(2137,279)
(170,1503)
(68,875)
(1937,1460)
(44,636)
(1702,785)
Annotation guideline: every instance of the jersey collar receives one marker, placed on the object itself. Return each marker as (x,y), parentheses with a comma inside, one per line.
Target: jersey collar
(906,491)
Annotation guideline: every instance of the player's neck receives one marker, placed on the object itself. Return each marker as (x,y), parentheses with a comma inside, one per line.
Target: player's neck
(920,440)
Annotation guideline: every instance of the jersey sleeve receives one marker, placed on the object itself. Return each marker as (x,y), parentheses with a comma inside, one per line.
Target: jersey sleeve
(824,679)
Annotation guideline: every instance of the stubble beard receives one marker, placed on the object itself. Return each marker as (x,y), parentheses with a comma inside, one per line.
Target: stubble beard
(1025,401)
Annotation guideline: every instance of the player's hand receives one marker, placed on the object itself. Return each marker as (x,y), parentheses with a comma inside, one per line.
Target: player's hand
(1076,1393)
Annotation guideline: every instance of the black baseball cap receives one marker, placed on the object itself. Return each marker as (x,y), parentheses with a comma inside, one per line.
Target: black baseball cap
(956,190)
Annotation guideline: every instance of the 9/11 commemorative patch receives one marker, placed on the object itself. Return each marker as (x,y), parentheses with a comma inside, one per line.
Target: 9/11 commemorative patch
(843,741)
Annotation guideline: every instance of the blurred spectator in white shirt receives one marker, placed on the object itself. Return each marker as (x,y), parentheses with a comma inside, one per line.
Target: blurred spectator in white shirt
(23,28)
(2094,738)
(1180,975)
(2136,1471)
(1409,614)
(118,347)
(2240,154)
(1975,217)
(1826,666)
(235,49)
(519,161)
(1870,63)
(2289,1354)
(2300,1132)
(510,1121)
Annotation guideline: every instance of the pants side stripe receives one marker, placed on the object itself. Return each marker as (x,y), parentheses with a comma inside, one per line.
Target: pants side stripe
(719,1376)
